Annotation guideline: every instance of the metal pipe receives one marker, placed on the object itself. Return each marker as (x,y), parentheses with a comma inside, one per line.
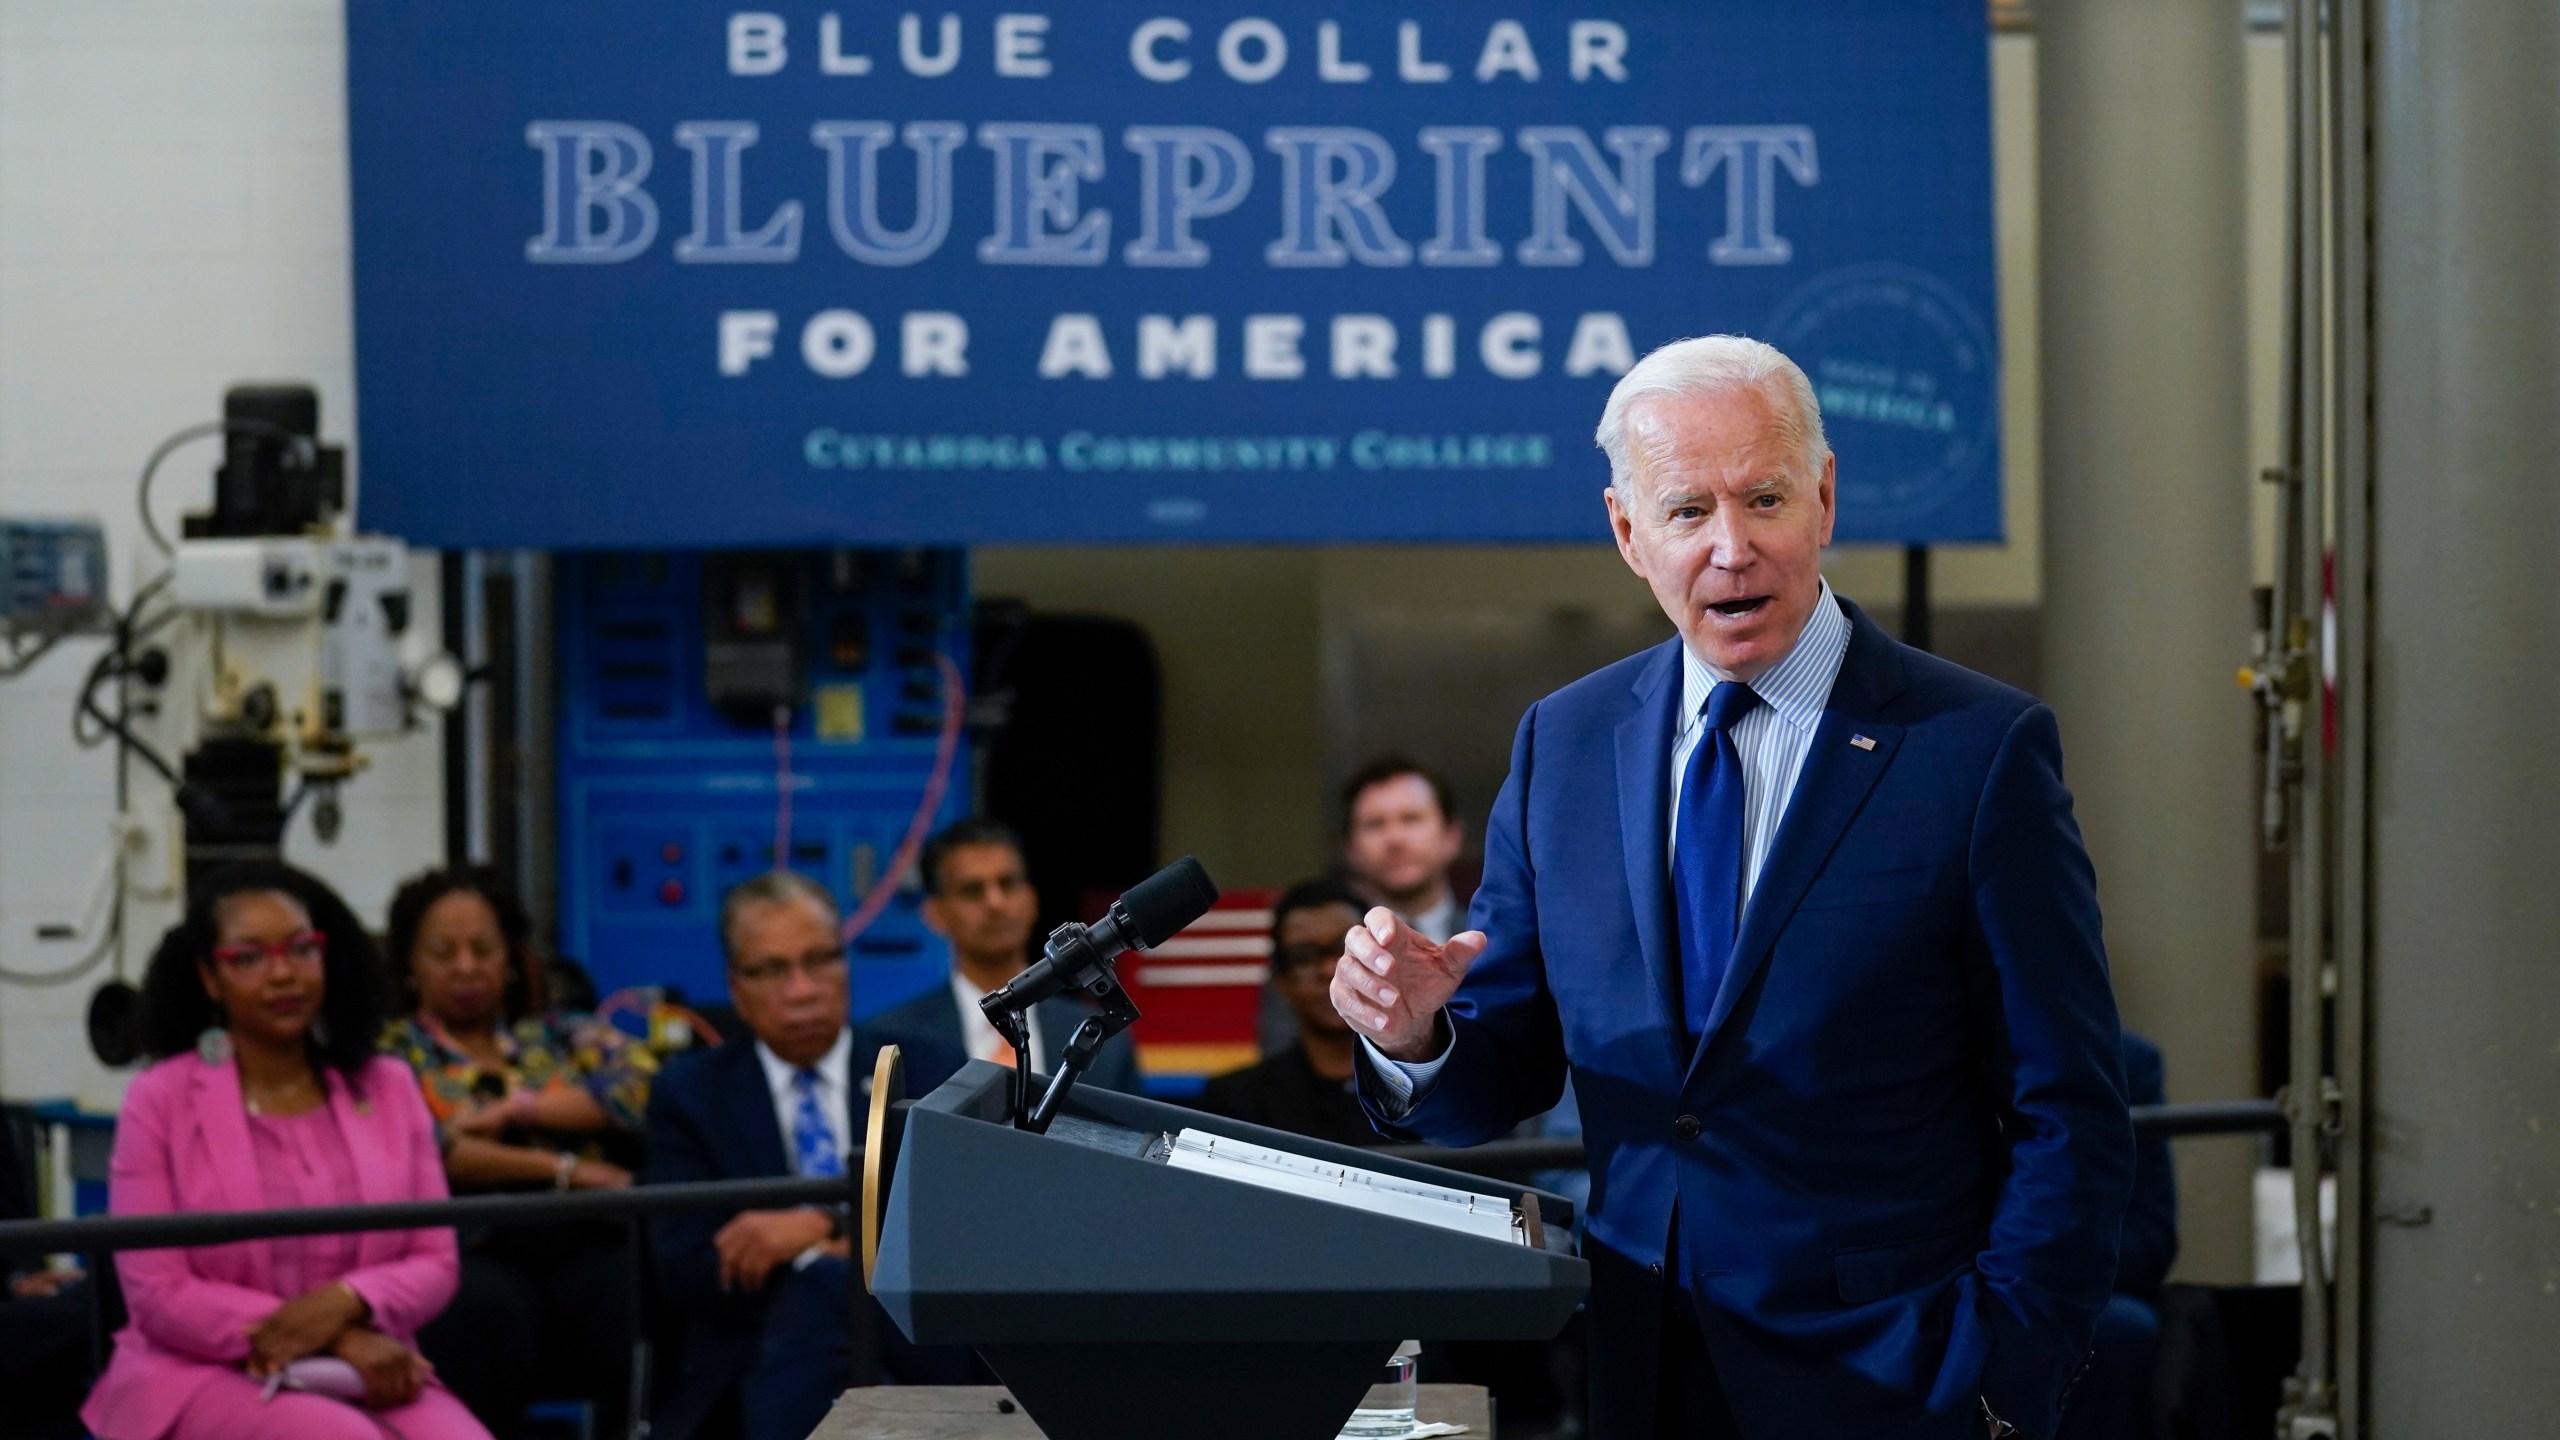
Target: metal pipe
(2309,1397)
(222,1227)
(1520,1157)
(2461,1152)
(2212,1117)
(2351,375)
(2141,226)
(1918,628)
(635,1259)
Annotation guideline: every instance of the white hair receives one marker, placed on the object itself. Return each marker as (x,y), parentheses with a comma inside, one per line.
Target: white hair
(774,887)
(1714,365)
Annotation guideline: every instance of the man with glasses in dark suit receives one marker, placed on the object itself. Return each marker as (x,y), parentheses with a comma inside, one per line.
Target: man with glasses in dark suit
(767,1294)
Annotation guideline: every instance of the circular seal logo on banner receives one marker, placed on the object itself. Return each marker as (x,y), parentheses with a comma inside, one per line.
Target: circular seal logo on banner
(1909,384)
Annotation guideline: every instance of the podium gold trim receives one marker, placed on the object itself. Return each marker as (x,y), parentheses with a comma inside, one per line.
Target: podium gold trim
(888,1087)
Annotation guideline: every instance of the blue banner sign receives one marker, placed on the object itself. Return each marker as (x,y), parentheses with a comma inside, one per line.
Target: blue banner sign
(686,275)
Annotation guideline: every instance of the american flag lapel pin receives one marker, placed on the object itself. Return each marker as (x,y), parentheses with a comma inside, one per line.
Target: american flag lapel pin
(1862,742)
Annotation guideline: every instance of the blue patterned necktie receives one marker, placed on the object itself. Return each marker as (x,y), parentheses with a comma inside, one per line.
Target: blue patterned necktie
(1706,865)
(813,1140)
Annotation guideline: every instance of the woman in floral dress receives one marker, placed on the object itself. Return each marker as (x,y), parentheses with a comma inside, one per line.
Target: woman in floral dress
(523,1097)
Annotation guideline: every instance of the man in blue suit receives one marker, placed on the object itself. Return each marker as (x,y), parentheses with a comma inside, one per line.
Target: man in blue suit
(766,1296)
(1805,916)
(978,896)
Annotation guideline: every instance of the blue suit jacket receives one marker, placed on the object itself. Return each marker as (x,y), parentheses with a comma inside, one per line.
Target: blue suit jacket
(711,1118)
(2149,1242)
(1898,1159)
(929,1027)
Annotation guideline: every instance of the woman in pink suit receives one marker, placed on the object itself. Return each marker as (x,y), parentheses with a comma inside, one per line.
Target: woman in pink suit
(264,1004)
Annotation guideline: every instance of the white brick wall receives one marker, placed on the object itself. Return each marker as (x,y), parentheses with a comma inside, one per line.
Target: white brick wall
(173,218)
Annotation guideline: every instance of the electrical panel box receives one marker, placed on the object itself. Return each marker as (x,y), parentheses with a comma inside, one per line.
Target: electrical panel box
(715,707)
(53,576)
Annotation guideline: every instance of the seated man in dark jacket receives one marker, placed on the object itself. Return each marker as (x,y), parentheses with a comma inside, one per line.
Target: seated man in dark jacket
(2112,1399)
(978,896)
(766,1295)
(1306,1088)
(45,1319)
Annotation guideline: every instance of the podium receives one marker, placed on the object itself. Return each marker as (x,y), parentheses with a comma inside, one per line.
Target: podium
(1123,1298)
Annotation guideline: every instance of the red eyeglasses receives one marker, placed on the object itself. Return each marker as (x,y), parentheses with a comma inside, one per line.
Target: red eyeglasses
(304,950)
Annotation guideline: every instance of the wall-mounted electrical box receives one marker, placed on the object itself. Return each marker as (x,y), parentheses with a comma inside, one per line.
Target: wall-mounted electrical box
(693,689)
(53,576)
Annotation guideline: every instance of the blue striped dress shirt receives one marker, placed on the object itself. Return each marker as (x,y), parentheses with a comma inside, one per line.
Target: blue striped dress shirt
(1772,740)
(1773,737)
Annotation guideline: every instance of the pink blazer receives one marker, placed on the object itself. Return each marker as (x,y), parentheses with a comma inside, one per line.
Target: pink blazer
(182,1144)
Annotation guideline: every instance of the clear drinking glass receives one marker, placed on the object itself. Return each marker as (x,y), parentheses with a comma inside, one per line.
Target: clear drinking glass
(1388,1409)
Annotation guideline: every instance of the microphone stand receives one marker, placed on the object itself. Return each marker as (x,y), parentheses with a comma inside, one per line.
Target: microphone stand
(1074,961)
(1118,1014)
(1010,1023)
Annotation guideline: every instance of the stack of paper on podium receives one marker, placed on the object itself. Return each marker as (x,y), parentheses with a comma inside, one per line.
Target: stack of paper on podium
(1466,1211)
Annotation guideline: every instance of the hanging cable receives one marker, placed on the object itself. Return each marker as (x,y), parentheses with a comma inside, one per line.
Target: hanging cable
(97,955)
(199,805)
(955,704)
(142,488)
(782,786)
(118,659)
(109,725)
(86,964)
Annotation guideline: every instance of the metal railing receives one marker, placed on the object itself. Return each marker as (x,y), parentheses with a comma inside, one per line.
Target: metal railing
(103,1234)
(108,1233)
(220,1227)
(1514,1158)
(98,1233)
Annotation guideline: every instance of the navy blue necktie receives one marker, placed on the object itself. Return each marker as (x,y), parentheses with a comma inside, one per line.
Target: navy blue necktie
(813,1140)
(1706,862)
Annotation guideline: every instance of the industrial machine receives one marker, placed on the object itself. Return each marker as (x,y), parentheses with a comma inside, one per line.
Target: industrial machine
(275,642)
(266,645)
(722,714)
(716,714)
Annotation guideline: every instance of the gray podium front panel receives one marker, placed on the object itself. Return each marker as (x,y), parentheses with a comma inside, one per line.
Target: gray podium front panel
(994,1236)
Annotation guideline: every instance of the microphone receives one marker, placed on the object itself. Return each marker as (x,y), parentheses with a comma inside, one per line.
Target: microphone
(1079,956)
(1156,909)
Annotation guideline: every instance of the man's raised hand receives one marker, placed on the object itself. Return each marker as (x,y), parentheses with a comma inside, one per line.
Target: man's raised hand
(1392,982)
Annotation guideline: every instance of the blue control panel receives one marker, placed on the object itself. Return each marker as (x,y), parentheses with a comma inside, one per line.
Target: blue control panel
(705,700)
